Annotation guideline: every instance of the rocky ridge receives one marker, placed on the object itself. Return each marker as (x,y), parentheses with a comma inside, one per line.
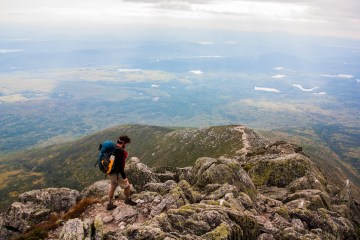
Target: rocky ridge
(267,191)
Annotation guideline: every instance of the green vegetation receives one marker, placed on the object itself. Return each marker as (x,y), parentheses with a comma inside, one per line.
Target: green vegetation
(278,173)
(221,232)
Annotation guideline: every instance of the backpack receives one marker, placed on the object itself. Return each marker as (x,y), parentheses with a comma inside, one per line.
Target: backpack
(106,156)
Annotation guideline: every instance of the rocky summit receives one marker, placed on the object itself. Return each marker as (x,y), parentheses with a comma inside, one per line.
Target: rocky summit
(266,191)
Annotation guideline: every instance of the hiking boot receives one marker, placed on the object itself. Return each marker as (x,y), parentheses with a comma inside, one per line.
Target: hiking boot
(130,202)
(110,206)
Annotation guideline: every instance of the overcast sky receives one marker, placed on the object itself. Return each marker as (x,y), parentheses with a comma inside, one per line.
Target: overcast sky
(311,17)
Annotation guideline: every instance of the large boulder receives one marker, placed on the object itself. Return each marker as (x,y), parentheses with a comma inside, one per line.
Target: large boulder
(316,198)
(283,170)
(99,189)
(308,181)
(76,229)
(219,191)
(330,225)
(183,174)
(174,199)
(275,192)
(197,221)
(21,216)
(220,171)
(181,194)
(56,199)
(162,188)
(139,174)
(282,147)
(125,213)
(349,197)
(165,173)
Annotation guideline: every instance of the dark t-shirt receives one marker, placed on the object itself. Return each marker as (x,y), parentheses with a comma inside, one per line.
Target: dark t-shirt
(119,164)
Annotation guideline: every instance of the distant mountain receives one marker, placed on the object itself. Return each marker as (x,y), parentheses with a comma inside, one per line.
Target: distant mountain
(71,164)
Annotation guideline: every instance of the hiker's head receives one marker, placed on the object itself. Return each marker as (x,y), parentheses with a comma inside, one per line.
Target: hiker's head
(123,140)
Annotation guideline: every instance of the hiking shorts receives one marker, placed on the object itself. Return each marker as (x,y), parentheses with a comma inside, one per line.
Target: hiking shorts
(118,181)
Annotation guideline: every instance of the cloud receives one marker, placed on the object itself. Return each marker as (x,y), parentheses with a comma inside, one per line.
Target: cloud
(129,70)
(205,43)
(279,68)
(192,57)
(266,89)
(305,89)
(278,76)
(154,86)
(10,50)
(320,93)
(197,72)
(324,17)
(326,9)
(345,76)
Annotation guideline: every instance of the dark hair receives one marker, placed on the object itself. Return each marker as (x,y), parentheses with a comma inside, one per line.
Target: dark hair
(123,139)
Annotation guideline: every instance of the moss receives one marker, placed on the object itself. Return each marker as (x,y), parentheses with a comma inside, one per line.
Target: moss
(179,195)
(187,207)
(283,211)
(278,173)
(251,192)
(163,221)
(222,232)
(259,151)
(248,166)
(260,174)
(98,222)
(228,205)
(177,221)
(250,228)
(233,165)
(212,202)
(316,203)
(192,195)
(303,214)
(184,210)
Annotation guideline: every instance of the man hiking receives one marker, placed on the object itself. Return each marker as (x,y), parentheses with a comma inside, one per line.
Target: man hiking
(119,168)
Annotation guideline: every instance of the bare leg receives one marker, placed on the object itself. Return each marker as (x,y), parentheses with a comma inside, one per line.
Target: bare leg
(111,192)
(127,197)
(127,192)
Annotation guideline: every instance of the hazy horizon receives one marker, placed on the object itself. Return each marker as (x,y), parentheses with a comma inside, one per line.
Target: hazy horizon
(22,19)
(265,64)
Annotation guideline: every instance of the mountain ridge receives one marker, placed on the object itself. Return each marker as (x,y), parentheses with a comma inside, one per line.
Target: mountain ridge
(155,145)
(271,191)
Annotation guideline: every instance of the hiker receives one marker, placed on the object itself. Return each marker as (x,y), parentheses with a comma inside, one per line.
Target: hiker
(118,176)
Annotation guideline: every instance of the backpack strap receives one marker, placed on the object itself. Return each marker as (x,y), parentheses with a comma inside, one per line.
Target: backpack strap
(99,149)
